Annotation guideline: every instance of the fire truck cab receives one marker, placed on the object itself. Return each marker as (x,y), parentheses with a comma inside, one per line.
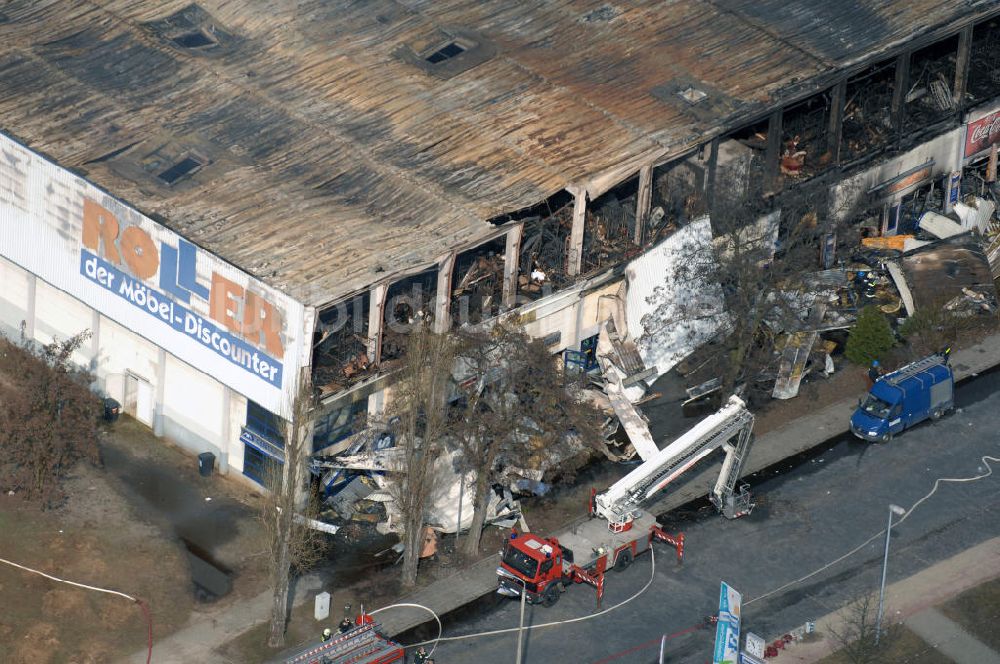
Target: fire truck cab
(536,561)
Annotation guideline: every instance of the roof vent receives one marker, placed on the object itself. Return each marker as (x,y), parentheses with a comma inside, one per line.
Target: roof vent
(446,52)
(183,168)
(195,39)
(692,95)
(194,31)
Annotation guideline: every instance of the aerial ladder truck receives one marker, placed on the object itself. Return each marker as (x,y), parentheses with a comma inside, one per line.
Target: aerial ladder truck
(542,567)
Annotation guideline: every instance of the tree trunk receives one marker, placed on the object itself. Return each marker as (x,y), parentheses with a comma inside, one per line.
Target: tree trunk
(479,504)
(281,572)
(413,541)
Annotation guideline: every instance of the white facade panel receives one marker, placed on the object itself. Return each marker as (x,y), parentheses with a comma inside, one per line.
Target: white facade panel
(13,298)
(135,271)
(193,410)
(121,354)
(933,159)
(59,316)
(237,417)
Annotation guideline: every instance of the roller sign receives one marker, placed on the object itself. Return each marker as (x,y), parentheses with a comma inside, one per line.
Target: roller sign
(242,326)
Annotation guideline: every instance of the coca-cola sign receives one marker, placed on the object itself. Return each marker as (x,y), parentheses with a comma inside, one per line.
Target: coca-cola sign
(982,133)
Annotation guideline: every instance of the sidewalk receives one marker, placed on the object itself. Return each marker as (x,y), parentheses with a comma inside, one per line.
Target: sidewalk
(207,629)
(795,437)
(912,601)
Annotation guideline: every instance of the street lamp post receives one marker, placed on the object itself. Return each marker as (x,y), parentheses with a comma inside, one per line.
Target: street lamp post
(898,511)
(520,628)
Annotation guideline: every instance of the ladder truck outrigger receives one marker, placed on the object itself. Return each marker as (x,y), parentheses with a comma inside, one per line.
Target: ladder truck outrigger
(542,567)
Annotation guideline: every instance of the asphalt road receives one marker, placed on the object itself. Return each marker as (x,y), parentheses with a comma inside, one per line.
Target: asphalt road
(806,517)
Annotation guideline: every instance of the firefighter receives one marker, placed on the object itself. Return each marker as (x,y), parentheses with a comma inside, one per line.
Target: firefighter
(420,657)
(346,624)
(327,635)
(944,353)
(874,372)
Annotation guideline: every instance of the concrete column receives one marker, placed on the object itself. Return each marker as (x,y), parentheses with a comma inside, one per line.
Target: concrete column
(227,430)
(835,131)
(962,66)
(643,202)
(712,168)
(442,302)
(161,388)
(511,265)
(29,315)
(376,309)
(574,257)
(376,405)
(95,339)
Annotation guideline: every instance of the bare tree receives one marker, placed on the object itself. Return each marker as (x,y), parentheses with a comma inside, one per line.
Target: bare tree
(49,417)
(856,633)
(418,409)
(291,544)
(514,409)
(743,280)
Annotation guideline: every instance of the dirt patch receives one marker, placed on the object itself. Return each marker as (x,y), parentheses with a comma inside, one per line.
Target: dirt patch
(908,648)
(94,540)
(848,382)
(976,610)
(104,537)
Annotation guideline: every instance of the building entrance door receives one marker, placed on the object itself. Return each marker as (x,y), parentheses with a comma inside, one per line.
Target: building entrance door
(139,398)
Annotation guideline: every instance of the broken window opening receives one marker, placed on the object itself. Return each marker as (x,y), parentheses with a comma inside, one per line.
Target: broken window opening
(477,283)
(609,227)
(185,167)
(804,128)
(544,248)
(446,52)
(984,63)
(677,197)
(408,302)
(927,197)
(340,422)
(930,97)
(867,127)
(741,162)
(340,345)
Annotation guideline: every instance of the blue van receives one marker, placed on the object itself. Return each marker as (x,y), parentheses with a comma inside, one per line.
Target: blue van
(897,401)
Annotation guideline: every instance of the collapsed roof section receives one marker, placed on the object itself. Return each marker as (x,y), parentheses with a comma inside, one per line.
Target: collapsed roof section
(322,147)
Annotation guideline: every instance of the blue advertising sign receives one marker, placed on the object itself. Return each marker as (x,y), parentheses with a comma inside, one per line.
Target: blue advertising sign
(727,630)
(171,312)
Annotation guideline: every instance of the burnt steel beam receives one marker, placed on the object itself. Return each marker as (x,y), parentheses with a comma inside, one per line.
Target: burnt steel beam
(835,130)
(962,66)
(772,156)
(511,265)
(574,257)
(899,88)
(643,201)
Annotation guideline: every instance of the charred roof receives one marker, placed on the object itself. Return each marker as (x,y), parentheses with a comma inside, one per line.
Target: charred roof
(315,144)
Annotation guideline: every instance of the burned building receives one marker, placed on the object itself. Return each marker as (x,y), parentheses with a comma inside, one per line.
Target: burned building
(280,176)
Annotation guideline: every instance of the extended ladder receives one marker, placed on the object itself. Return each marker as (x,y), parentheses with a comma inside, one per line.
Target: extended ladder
(715,431)
(913,368)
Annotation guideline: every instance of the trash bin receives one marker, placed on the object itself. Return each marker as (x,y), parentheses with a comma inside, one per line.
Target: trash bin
(206,463)
(112,409)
